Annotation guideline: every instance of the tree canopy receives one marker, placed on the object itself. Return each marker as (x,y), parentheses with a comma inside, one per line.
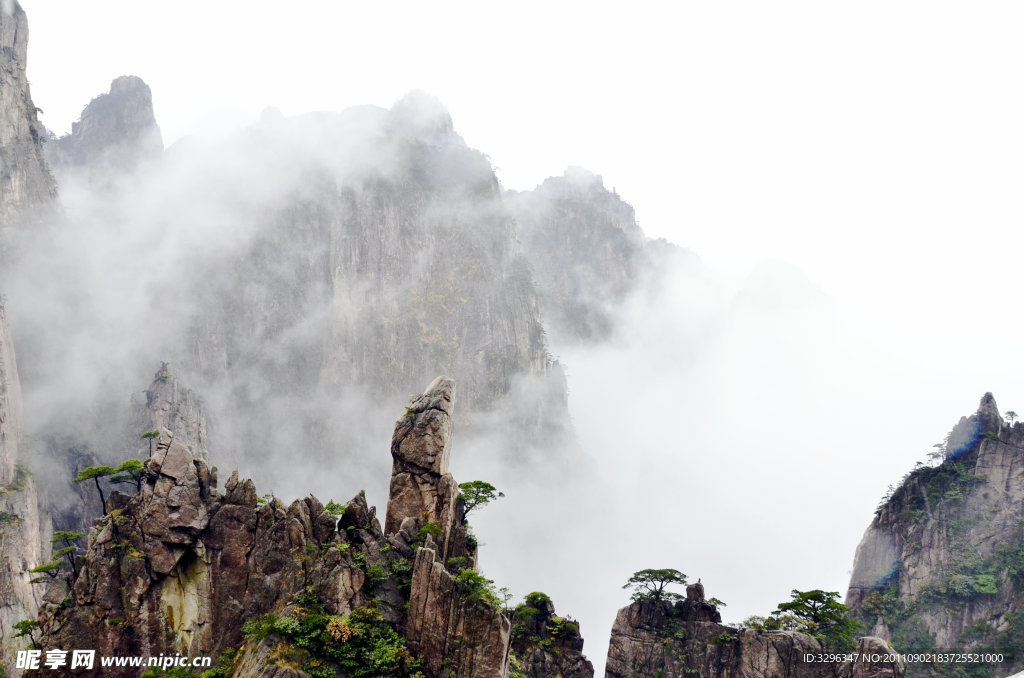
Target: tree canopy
(131,471)
(649,586)
(477,493)
(818,613)
(94,473)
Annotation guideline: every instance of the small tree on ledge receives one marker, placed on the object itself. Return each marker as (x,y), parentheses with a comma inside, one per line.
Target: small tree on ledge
(150,436)
(133,471)
(649,585)
(94,473)
(476,493)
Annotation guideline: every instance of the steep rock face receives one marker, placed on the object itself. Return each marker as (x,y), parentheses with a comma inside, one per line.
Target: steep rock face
(25,181)
(457,636)
(369,277)
(422,490)
(22,531)
(117,130)
(688,639)
(180,568)
(10,404)
(546,645)
(940,566)
(585,248)
(168,404)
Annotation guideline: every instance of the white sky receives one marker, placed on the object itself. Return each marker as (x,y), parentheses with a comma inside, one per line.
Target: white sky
(876,147)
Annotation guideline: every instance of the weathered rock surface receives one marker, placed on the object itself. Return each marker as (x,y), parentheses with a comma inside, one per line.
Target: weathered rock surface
(116,131)
(457,636)
(940,565)
(168,404)
(25,182)
(546,645)
(22,531)
(422,489)
(179,568)
(688,639)
(10,403)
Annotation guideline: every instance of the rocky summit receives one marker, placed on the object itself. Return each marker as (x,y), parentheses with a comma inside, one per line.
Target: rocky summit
(941,566)
(687,638)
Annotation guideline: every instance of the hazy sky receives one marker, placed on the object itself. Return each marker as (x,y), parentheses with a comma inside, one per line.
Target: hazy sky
(863,161)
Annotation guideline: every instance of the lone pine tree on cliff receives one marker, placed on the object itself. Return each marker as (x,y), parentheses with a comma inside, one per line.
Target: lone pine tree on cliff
(477,493)
(650,585)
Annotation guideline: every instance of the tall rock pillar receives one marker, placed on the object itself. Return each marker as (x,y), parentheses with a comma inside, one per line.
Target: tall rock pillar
(422,489)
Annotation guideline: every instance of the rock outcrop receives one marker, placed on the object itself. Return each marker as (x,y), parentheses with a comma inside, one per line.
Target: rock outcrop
(168,404)
(941,567)
(545,645)
(26,185)
(458,634)
(687,639)
(116,131)
(181,568)
(422,490)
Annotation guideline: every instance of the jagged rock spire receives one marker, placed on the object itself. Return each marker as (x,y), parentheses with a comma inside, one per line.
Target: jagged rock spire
(422,490)
(989,411)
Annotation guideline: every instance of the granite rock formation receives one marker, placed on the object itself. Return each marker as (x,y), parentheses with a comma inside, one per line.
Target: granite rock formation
(422,490)
(169,404)
(22,530)
(546,645)
(115,132)
(687,638)
(942,564)
(181,568)
(26,186)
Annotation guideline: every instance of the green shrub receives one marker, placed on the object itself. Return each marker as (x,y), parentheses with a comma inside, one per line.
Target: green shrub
(474,586)
(362,644)
(431,528)
(375,574)
(537,599)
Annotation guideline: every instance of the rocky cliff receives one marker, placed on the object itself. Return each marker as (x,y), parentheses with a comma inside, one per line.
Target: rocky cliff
(585,248)
(687,638)
(345,258)
(22,531)
(942,564)
(169,404)
(115,132)
(182,568)
(544,644)
(26,195)
(25,182)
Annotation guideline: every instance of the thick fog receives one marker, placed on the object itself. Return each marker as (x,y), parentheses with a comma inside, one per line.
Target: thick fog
(849,290)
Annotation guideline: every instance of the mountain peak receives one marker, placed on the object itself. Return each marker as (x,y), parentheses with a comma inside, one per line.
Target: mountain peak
(117,129)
